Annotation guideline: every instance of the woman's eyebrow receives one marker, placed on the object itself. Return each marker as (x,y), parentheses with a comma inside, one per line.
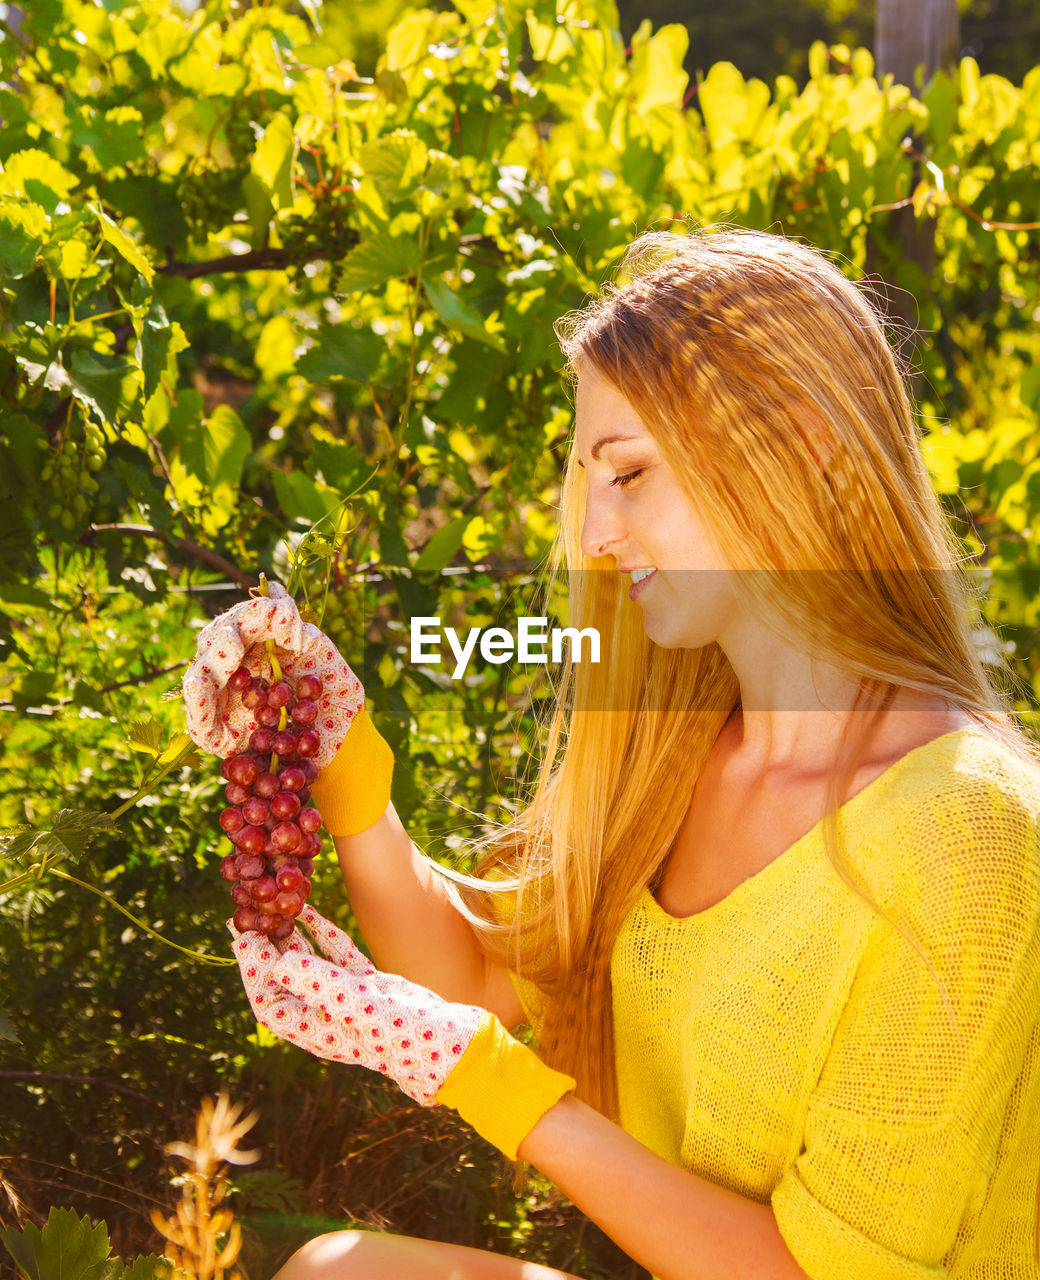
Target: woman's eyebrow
(602,444)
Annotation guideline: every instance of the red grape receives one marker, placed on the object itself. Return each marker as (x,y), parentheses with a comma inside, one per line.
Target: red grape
(240,894)
(286,836)
(240,680)
(231,820)
(288,904)
(251,839)
(260,740)
(309,687)
(255,811)
(290,879)
(309,821)
(246,918)
(279,931)
(235,793)
(243,770)
(305,712)
(285,805)
(268,716)
(250,866)
(267,785)
(284,744)
(228,869)
(254,698)
(279,694)
(308,743)
(264,889)
(291,778)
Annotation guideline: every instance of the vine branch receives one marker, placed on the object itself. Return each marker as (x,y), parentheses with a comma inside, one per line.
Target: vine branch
(185,545)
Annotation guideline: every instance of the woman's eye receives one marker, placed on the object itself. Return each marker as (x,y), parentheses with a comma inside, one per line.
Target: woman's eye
(621,481)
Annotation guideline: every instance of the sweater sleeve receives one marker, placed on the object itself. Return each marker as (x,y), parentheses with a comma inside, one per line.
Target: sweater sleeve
(904,1123)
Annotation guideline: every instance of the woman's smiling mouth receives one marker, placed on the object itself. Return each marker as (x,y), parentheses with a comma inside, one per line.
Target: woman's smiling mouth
(640,577)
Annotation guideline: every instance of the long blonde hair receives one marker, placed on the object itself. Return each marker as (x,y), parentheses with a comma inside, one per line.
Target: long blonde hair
(766,379)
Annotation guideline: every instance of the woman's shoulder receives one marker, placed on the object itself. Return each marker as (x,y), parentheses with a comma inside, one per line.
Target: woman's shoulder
(973,770)
(959,825)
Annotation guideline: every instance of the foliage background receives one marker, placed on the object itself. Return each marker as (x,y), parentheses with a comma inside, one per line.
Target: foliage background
(251,288)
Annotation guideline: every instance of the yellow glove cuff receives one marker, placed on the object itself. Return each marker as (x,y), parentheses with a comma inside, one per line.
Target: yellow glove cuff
(501,1088)
(353,790)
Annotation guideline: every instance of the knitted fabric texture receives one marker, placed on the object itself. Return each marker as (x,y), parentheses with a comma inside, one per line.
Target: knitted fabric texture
(789,1044)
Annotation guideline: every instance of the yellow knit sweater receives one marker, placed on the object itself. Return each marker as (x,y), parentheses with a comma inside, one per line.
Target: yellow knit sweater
(789,1044)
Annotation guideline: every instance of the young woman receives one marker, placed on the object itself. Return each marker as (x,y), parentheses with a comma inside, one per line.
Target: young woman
(774,907)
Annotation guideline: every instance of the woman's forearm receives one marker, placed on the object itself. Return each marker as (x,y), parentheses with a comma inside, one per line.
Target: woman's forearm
(410,923)
(677,1225)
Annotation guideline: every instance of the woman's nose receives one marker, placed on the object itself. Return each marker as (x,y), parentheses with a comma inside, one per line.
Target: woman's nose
(599,531)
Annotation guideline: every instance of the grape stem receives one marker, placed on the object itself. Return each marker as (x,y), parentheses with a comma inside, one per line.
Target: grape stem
(112,902)
(276,672)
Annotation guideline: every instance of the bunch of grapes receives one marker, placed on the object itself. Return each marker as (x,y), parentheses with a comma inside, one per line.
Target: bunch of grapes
(268,820)
(68,477)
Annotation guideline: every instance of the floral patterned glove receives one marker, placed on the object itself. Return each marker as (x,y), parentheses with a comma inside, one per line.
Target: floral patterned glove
(353,789)
(343,1009)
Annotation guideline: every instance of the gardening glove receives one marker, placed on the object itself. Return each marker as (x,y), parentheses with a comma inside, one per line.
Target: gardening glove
(353,788)
(338,1006)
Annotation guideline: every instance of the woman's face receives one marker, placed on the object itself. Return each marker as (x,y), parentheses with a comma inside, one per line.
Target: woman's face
(638,513)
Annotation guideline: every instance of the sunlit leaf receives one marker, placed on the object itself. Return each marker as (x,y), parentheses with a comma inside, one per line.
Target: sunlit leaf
(146,735)
(273,159)
(458,314)
(123,245)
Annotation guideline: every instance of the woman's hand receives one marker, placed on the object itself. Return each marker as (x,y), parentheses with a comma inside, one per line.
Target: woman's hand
(338,1006)
(343,1009)
(218,720)
(352,790)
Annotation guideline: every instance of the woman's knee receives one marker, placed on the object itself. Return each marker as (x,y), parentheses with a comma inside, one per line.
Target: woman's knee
(372,1255)
(327,1257)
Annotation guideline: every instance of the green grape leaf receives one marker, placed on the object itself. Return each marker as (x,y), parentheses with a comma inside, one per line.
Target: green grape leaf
(15,842)
(70,833)
(456,312)
(70,821)
(157,340)
(658,78)
(212,455)
(373,262)
(122,244)
(441,546)
(149,1267)
(397,163)
(341,465)
(104,383)
(273,160)
(38,176)
(302,499)
(18,247)
(259,207)
(68,1248)
(342,351)
(177,744)
(146,735)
